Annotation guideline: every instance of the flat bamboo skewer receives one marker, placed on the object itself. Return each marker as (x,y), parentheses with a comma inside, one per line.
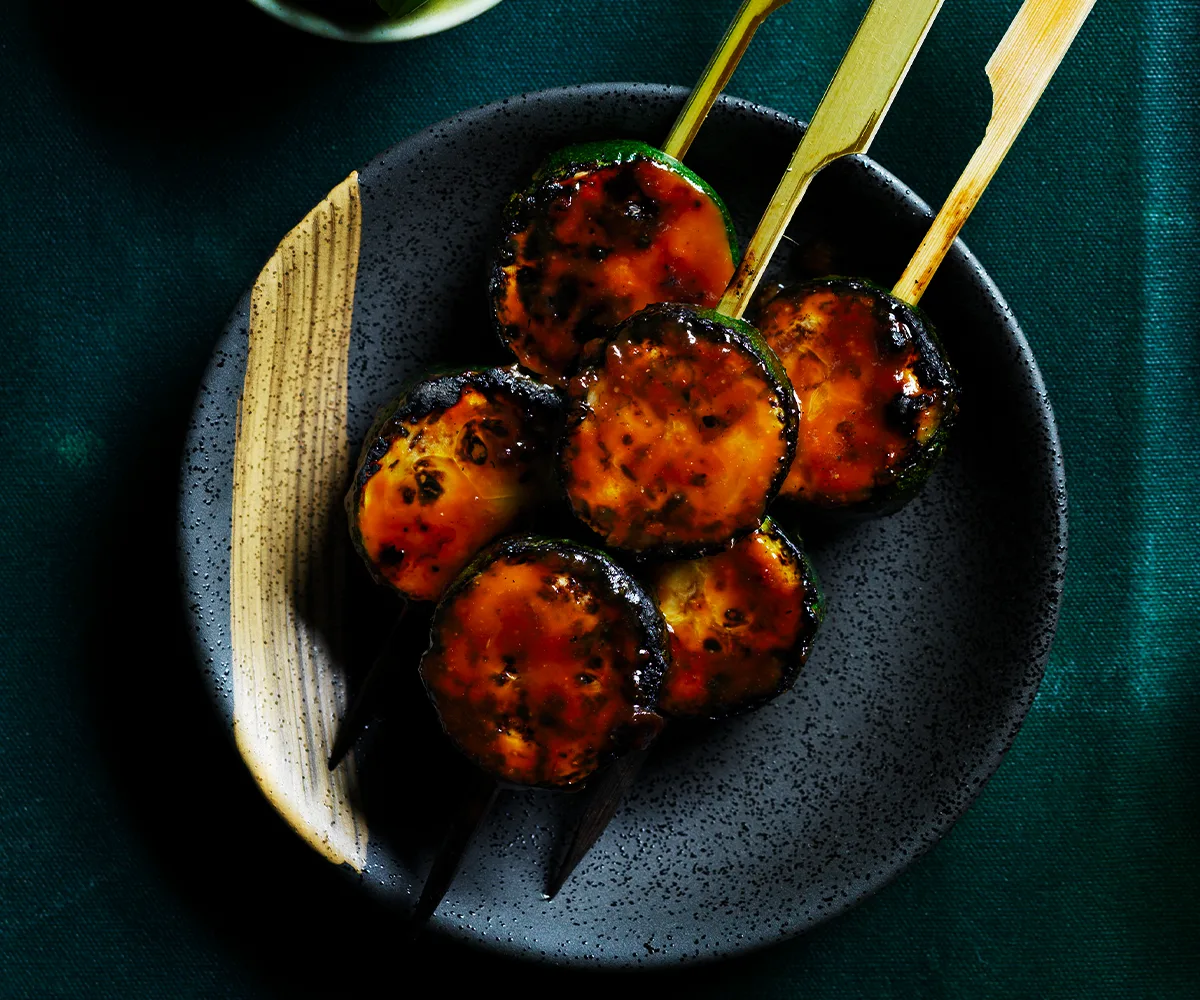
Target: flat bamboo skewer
(371,694)
(712,81)
(845,122)
(478,801)
(1019,70)
(605,796)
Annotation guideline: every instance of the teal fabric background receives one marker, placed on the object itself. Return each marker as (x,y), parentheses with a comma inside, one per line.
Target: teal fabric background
(145,180)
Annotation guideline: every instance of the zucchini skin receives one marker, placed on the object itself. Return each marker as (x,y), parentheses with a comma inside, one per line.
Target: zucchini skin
(878,395)
(742,624)
(545,662)
(414,506)
(680,431)
(603,229)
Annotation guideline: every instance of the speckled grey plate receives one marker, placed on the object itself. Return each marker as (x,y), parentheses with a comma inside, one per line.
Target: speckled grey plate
(940,617)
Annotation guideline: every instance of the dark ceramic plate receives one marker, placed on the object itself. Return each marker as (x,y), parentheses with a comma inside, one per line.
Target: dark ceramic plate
(940,617)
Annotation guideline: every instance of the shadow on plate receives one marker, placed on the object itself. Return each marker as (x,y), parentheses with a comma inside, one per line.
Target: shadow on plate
(207,830)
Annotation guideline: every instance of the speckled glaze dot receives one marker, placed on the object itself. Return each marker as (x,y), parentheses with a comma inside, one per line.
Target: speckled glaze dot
(939,618)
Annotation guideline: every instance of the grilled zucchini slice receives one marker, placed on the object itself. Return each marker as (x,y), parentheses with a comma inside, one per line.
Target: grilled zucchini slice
(741,624)
(680,430)
(458,460)
(877,394)
(603,230)
(544,662)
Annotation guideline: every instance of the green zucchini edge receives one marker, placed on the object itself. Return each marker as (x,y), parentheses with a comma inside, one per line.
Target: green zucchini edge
(612,152)
(569,160)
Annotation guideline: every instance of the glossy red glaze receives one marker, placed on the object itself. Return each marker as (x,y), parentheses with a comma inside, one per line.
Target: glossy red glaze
(449,484)
(853,368)
(675,439)
(531,669)
(740,625)
(599,245)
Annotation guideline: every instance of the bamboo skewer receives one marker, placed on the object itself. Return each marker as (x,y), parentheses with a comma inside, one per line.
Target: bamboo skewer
(1019,71)
(474,805)
(845,122)
(712,81)
(716,74)
(478,801)
(605,796)
(373,692)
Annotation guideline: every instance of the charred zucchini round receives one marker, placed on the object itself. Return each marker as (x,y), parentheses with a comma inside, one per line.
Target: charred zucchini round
(544,662)
(877,394)
(454,463)
(603,230)
(741,624)
(680,430)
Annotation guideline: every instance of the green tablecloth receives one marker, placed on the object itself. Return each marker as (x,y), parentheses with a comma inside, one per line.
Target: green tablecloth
(153,155)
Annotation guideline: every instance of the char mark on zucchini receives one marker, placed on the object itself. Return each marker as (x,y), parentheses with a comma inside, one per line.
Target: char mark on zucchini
(545,661)
(680,430)
(458,460)
(877,394)
(603,230)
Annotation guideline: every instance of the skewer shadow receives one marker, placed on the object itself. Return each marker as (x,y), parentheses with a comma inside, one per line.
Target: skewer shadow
(407,774)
